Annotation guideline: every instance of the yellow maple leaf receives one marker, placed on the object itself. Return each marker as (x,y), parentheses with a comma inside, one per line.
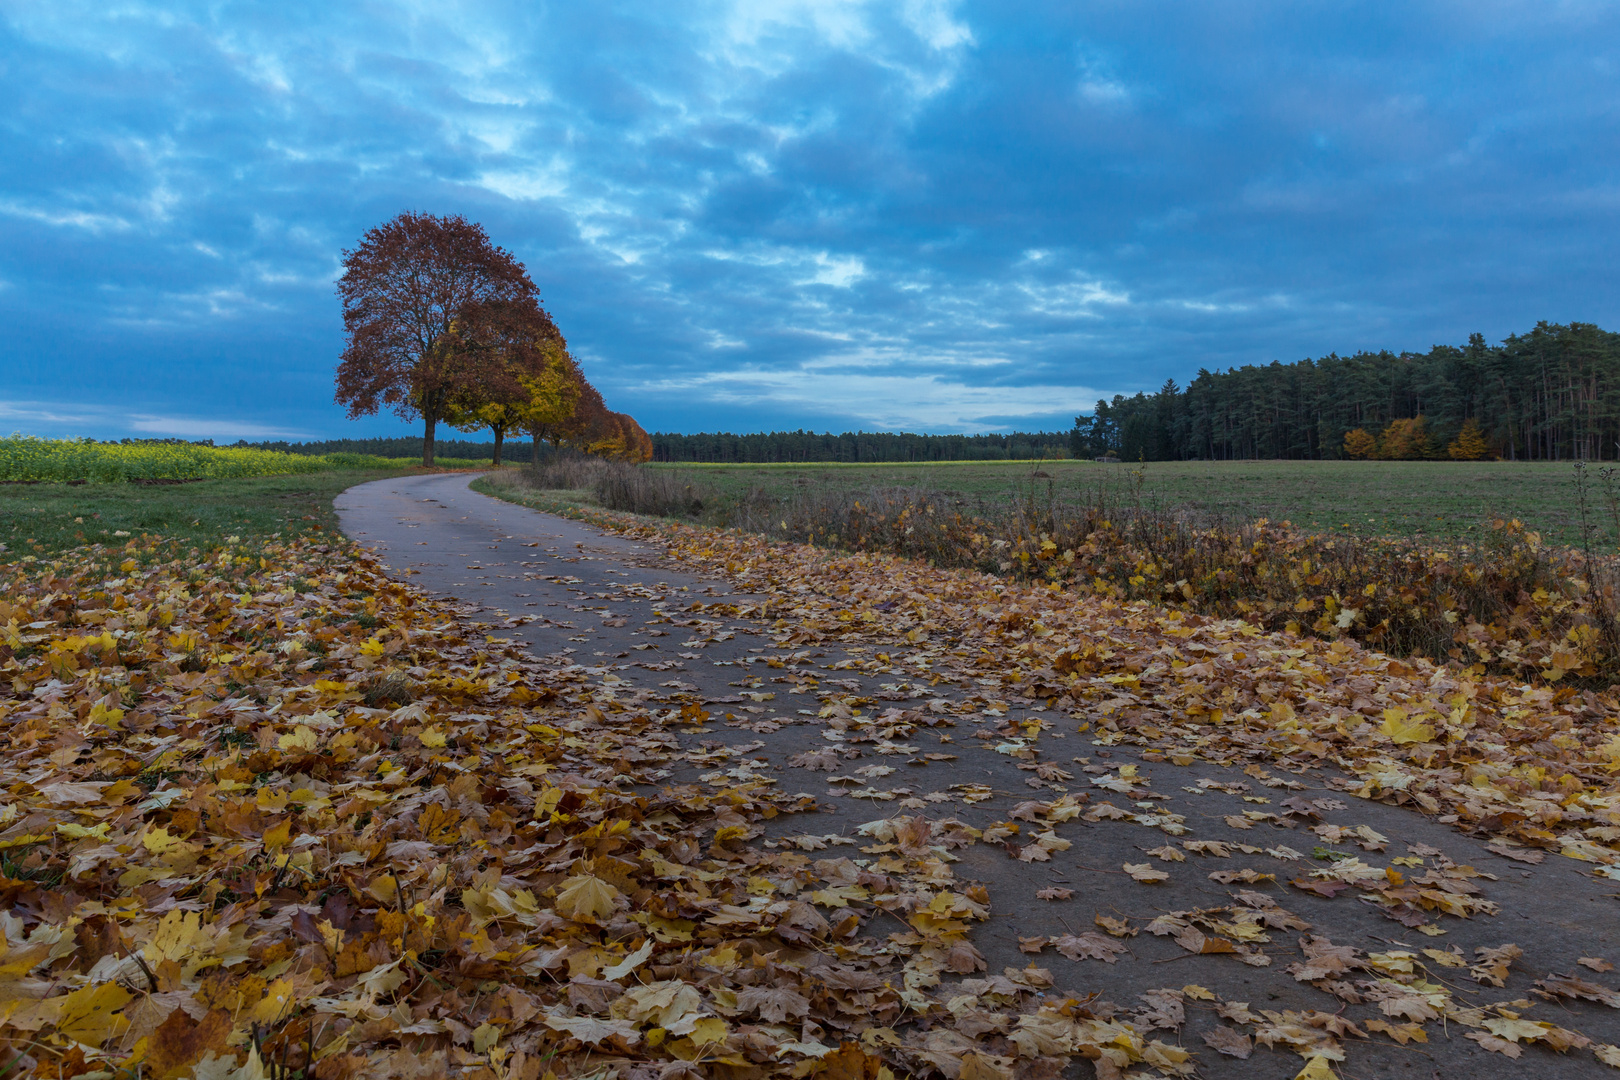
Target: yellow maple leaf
(279,836)
(301,739)
(278,999)
(157,840)
(1317,1068)
(106,717)
(432,738)
(585,895)
(710,1029)
(90,1015)
(1399,728)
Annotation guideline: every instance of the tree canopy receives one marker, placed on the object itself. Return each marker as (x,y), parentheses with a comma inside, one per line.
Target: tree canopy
(447,327)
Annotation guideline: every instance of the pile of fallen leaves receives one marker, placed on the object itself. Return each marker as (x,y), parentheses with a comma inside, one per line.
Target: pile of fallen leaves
(270,813)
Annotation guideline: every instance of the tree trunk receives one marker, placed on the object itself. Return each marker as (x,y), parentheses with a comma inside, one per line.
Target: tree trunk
(500,435)
(427,441)
(534,448)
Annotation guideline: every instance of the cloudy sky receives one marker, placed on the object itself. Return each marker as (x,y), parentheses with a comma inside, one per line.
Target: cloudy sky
(907,214)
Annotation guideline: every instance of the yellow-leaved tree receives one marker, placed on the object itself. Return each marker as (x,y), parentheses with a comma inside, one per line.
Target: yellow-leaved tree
(1359,444)
(1404,440)
(513,345)
(552,396)
(1470,444)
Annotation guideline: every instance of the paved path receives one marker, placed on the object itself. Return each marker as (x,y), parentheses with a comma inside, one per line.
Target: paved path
(603,601)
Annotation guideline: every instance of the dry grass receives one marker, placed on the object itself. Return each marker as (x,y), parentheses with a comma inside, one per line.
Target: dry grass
(614,485)
(1505,603)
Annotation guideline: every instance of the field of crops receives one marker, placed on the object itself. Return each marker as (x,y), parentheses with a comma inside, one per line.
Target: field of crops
(23,458)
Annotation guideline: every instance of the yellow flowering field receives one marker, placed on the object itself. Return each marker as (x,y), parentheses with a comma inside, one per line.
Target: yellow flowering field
(27,459)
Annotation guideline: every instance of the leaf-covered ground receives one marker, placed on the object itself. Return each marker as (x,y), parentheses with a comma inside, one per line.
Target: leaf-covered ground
(269,811)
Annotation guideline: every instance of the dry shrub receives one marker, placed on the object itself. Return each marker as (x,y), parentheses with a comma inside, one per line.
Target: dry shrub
(618,485)
(1507,603)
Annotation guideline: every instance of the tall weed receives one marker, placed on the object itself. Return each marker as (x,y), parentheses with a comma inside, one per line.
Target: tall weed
(617,485)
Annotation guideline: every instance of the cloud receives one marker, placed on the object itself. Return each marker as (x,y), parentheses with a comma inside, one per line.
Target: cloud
(931,214)
(63,420)
(927,402)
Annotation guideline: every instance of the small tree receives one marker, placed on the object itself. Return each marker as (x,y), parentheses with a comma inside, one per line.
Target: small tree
(1359,444)
(418,296)
(552,396)
(521,341)
(1470,444)
(1403,440)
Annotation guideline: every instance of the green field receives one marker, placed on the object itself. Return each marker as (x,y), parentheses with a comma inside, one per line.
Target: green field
(42,519)
(1437,499)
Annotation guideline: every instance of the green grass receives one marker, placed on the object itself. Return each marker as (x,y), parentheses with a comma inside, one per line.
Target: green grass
(43,519)
(1427,499)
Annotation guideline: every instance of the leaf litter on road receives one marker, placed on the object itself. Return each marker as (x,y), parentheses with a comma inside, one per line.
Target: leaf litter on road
(271,809)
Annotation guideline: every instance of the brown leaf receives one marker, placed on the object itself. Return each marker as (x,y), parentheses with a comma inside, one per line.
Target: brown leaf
(1569,986)
(180,1042)
(773,1003)
(1492,964)
(1089,946)
(1524,855)
(1229,1041)
(1401,1033)
(1196,941)
(1115,927)
(1491,1042)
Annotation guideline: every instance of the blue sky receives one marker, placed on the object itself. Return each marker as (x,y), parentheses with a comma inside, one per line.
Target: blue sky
(904,214)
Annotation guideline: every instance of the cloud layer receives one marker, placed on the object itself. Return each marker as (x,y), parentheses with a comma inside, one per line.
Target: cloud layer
(839,214)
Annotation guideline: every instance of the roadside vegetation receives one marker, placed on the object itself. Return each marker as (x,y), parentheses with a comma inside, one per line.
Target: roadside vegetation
(1498,599)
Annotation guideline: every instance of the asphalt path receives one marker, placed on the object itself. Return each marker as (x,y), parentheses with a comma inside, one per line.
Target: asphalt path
(578,595)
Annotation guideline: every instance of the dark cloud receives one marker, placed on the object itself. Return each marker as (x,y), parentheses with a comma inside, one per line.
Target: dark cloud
(918,215)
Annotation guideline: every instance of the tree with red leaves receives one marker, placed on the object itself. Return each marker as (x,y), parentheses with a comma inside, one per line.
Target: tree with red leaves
(432,310)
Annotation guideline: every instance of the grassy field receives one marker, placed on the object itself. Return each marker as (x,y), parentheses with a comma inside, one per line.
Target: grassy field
(1432,499)
(43,519)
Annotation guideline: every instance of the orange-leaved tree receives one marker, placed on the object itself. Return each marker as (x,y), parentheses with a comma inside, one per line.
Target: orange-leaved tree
(419,294)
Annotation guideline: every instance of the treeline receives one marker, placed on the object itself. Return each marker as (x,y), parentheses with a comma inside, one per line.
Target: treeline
(406,446)
(853,446)
(1552,394)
